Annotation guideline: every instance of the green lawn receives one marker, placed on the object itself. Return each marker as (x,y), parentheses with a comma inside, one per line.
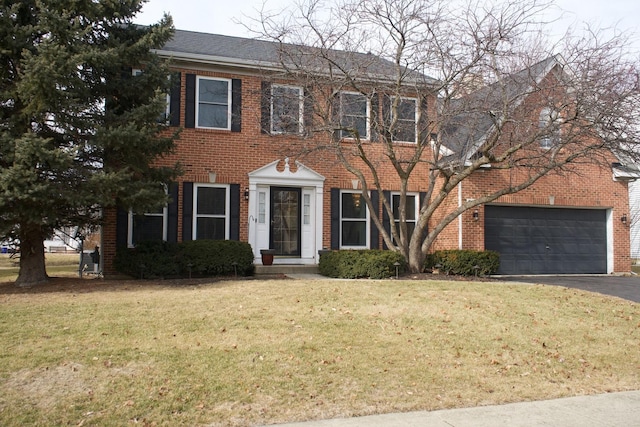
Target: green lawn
(251,352)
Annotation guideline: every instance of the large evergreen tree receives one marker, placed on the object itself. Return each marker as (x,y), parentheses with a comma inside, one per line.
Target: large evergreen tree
(79,129)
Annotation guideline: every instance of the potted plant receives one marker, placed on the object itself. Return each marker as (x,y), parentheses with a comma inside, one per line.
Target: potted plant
(267,256)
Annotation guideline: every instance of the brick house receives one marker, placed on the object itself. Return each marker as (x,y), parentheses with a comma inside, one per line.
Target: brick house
(244,179)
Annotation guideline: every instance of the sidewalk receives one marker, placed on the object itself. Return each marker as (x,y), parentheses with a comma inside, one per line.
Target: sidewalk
(603,410)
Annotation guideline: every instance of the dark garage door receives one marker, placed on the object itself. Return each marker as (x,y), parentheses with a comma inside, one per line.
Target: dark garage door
(547,240)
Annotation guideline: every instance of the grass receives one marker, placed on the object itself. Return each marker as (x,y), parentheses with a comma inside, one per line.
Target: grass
(251,352)
(58,265)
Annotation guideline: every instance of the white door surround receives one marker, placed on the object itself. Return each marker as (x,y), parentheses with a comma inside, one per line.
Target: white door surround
(311,186)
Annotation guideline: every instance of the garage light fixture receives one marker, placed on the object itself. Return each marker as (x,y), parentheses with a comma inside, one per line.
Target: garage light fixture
(476,215)
(623,219)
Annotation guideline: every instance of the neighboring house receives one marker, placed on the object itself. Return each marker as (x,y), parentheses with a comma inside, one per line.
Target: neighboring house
(240,183)
(634,219)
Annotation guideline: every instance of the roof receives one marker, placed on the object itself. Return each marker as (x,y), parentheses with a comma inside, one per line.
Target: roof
(254,53)
(479,111)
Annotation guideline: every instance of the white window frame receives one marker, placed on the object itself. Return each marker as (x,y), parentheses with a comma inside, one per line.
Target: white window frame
(366,220)
(228,81)
(415,117)
(417,208)
(346,134)
(300,108)
(547,118)
(226,215)
(165,220)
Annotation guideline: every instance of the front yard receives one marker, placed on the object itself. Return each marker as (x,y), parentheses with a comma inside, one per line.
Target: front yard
(252,352)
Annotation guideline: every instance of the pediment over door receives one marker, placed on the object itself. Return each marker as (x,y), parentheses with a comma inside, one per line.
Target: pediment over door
(303,175)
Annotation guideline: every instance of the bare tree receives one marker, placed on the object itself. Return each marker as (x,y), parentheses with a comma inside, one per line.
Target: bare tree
(485,88)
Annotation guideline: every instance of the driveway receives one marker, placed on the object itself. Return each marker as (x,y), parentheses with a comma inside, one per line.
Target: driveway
(627,287)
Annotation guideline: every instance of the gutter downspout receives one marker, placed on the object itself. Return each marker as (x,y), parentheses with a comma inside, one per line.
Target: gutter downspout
(460,216)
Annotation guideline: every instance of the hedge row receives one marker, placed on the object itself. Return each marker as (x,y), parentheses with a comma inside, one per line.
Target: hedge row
(196,258)
(464,262)
(354,264)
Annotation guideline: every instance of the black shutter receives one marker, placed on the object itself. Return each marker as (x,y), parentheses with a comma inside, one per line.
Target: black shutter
(174,100)
(187,211)
(335,218)
(234,212)
(307,118)
(236,105)
(423,197)
(386,117)
(375,117)
(122,228)
(265,107)
(424,135)
(190,102)
(374,232)
(172,214)
(335,117)
(386,221)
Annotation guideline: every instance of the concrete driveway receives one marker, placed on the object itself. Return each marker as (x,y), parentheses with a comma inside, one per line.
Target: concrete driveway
(627,287)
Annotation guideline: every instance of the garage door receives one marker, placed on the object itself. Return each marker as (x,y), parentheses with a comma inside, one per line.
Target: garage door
(547,240)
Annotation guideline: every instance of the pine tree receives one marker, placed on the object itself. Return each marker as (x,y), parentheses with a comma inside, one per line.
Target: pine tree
(80,130)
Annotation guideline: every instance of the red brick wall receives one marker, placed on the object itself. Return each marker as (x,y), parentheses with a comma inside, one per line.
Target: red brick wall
(231,155)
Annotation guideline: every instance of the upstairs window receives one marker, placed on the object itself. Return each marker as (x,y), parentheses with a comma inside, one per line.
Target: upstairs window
(549,126)
(405,128)
(213,105)
(286,109)
(354,115)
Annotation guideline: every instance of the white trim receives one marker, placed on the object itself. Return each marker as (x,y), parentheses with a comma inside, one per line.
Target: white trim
(197,113)
(300,90)
(367,115)
(227,208)
(311,182)
(416,207)
(415,119)
(367,220)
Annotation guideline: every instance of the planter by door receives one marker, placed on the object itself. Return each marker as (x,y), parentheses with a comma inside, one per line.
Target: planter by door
(267,256)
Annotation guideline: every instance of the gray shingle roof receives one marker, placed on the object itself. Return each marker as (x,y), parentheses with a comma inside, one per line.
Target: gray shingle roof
(474,115)
(260,53)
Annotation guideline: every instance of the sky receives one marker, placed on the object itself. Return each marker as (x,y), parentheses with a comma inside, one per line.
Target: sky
(221,17)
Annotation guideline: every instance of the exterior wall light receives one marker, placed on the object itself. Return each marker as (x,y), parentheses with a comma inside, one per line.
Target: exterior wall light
(246,193)
(623,219)
(476,215)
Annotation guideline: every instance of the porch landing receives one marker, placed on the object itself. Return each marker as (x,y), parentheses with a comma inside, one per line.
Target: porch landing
(286,269)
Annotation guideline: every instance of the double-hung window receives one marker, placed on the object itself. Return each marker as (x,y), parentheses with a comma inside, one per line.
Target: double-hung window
(354,115)
(149,226)
(405,115)
(213,105)
(411,210)
(354,220)
(548,124)
(286,109)
(211,212)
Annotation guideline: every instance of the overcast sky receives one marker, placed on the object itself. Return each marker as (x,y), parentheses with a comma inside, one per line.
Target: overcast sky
(219,17)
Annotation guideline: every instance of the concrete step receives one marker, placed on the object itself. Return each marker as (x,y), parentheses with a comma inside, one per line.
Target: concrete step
(267,270)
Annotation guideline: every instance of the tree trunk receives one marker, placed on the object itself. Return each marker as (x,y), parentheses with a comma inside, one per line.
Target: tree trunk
(32,268)
(416,259)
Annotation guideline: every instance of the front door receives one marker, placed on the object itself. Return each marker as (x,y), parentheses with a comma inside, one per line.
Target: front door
(284,232)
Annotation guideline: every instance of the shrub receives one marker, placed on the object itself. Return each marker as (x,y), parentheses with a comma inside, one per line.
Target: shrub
(353,264)
(148,260)
(202,258)
(464,262)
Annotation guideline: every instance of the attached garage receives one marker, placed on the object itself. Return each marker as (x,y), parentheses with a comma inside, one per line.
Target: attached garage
(547,240)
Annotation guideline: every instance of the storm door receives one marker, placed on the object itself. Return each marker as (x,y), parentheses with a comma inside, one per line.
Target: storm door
(284,234)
